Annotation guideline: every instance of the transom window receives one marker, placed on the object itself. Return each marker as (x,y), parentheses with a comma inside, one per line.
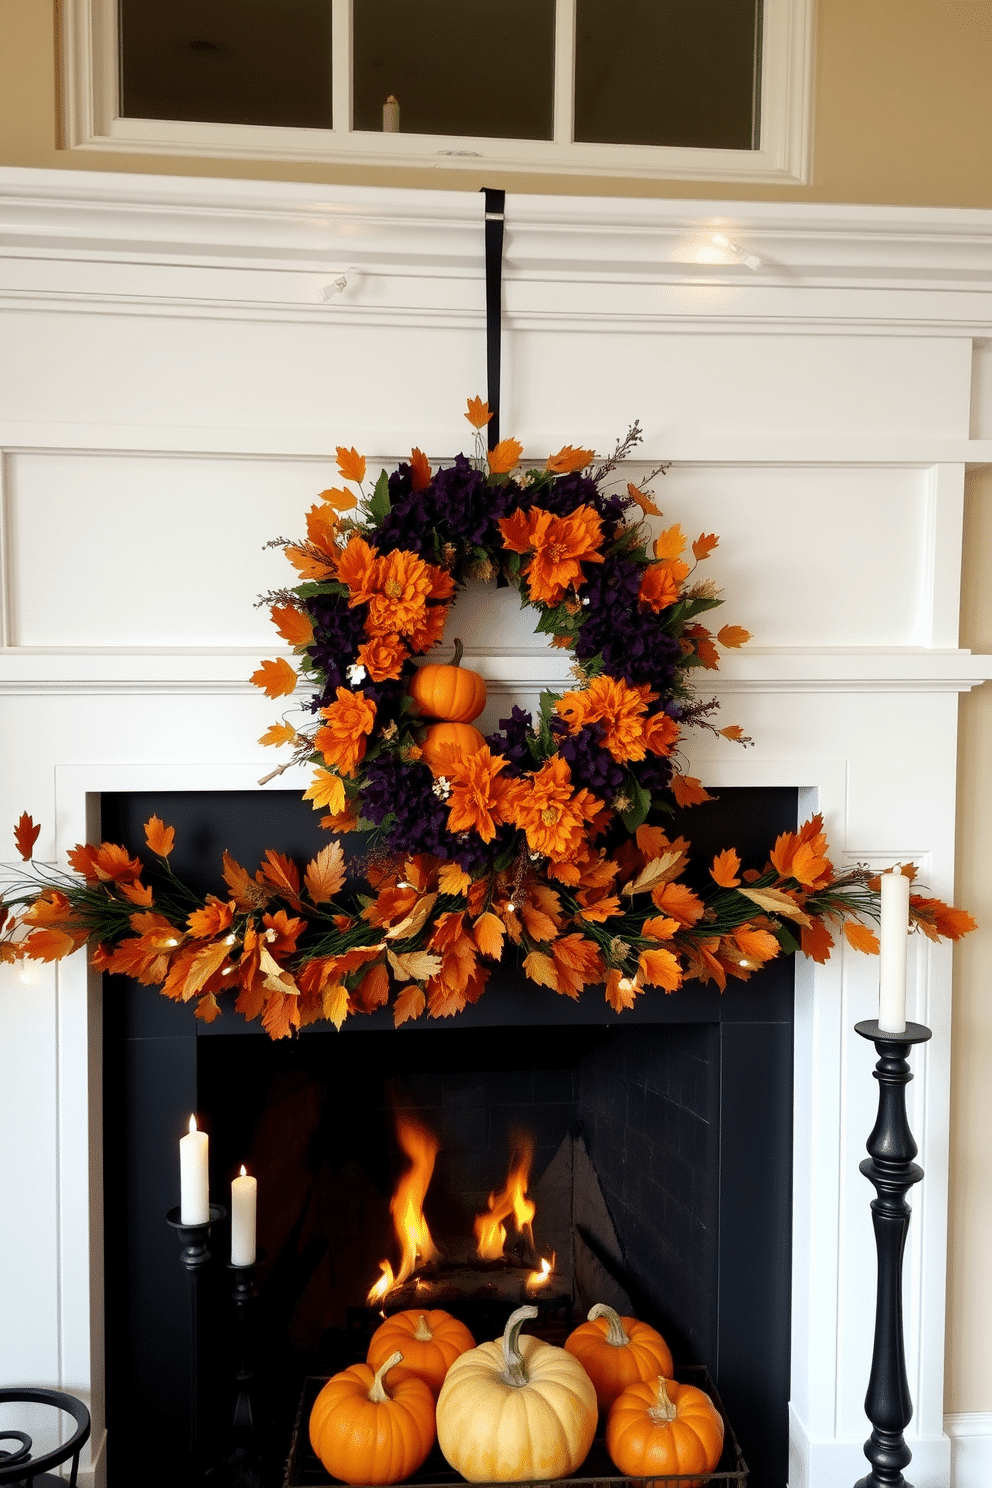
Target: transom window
(706,88)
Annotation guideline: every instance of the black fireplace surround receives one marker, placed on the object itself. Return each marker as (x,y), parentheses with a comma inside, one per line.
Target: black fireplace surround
(683,1104)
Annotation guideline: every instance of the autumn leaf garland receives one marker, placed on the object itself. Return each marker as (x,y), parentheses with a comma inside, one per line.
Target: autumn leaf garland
(547,840)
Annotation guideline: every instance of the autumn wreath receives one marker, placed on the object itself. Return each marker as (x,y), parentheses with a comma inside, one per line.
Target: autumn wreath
(549,833)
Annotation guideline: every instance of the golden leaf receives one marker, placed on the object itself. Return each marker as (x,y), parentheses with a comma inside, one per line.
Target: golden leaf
(326,790)
(453,879)
(774,901)
(415,920)
(660,927)
(325,875)
(335,1003)
(25,836)
(415,965)
(275,678)
(670,544)
(208,1008)
(351,464)
(215,916)
(292,624)
(276,977)
(278,733)
(688,791)
(621,991)
(159,837)
(478,413)
(541,969)
(660,969)
(654,873)
(489,932)
(734,732)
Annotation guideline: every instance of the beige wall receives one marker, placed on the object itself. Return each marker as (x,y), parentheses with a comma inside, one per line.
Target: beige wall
(902,117)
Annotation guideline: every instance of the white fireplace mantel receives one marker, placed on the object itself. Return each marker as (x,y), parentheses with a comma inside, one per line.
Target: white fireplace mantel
(178,363)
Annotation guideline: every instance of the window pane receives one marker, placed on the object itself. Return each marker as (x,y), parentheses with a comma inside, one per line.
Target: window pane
(227,61)
(667,72)
(478,67)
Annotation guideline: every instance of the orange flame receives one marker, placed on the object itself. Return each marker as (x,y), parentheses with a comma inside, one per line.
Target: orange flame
(407,1206)
(538,1279)
(490,1232)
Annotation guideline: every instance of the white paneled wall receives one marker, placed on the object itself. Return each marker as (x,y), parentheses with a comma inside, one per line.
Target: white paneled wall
(172,387)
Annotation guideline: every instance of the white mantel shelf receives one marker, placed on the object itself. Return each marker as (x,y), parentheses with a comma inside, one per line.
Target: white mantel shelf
(179,364)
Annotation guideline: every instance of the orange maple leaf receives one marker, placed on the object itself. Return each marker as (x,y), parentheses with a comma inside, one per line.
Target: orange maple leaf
(505,456)
(215,916)
(816,942)
(688,791)
(246,892)
(25,836)
(541,969)
(282,1015)
(452,879)
(138,893)
(280,872)
(325,874)
(648,507)
(338,497)
(326,790)
(478,413)
(373,989)
(621,991)
(704,545)
(569,458)
(420,469)
(49,945)
(680,902)
(733,636)
(726,867)
(409,1004)
(275,678)
(489,931)
(576,961)
(351,464)
(278,733)
(293,625)
(659,968)
(670,544)
(860,937)
(733,731)
(159,837)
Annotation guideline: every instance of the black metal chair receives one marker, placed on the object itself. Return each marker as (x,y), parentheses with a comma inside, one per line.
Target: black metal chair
(17,1465)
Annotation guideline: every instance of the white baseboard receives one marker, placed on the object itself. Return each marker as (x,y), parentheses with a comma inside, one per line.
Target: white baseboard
(971,1448)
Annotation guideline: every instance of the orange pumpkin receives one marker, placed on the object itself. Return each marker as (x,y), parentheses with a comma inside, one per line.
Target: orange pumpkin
(449,691)
(658,1427)
(431,1341)
(364,1435)
(441,738)
(618,1351)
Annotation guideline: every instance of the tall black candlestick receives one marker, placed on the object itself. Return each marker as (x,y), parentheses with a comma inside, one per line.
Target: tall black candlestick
(194,1255)
(891,1169)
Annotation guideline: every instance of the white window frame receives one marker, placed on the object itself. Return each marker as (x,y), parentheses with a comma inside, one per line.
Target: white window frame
(92,120)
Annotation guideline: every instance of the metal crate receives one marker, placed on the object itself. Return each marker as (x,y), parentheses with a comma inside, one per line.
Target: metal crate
(305,1470)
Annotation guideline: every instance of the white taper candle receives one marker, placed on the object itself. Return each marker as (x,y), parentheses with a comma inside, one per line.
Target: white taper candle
(244,1194)
(893,942)
(194,1183)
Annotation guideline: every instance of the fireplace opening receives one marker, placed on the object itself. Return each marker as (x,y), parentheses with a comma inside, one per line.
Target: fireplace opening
(660,1164)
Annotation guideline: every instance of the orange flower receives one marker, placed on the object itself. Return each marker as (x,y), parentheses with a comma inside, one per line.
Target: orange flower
(477,795)
(348,722)
(623,710)
(383,657)
(560,545)
(661,584)
(396,587)
(551,813)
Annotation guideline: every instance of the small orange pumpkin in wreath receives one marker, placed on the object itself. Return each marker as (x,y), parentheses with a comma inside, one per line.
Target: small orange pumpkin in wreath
(431,1341)
(659,1428)
(618,1351)
(363,1434)
(449,690)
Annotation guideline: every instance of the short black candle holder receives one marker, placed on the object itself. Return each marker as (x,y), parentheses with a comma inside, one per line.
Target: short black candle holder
(194,1255)
(891,1169)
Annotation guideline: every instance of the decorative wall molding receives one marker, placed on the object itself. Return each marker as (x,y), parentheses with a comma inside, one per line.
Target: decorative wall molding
(971,1448)
(820,409)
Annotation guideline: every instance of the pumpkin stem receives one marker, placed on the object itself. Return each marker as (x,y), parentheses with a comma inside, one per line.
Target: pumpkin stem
(377,1389)
(456,660)
(664,1409)
(423,1333)
(515,1372)
(616,1334)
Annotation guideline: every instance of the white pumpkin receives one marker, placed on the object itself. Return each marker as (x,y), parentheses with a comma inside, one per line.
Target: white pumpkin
(516,1409)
